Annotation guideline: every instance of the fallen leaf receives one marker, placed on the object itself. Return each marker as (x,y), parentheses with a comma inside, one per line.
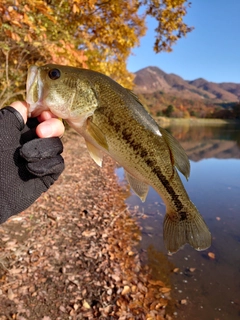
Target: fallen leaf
(86,304)
(125,290)
(10,294)
(75,306)
(134,288)
(211,255)
(165,290)
(89,233)
(157,283)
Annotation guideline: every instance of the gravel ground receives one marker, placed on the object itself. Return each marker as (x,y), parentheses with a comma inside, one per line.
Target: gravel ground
(72,254)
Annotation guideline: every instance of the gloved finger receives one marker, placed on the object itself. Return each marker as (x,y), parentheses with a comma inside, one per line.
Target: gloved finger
(44,148)
(47,167)
(11,124)
(29,131)
(32,123)
(12,118)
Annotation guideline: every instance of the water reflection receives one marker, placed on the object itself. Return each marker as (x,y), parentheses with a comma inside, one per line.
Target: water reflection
(203,142)
(212,288)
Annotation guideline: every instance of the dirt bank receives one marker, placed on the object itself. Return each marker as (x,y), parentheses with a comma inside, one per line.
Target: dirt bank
(72,255)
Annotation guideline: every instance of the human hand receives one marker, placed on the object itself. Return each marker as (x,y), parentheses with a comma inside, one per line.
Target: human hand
(50,125)
(28,165)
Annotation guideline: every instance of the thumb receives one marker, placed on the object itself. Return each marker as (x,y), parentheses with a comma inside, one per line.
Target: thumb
(22,108)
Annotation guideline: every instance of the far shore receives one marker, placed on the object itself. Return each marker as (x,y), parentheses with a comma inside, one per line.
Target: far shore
(194,121)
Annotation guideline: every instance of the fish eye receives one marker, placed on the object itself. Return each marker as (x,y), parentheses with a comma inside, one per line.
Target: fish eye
(54,74)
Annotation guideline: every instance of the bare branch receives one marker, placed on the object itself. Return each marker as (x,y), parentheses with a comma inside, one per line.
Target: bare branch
(4,101)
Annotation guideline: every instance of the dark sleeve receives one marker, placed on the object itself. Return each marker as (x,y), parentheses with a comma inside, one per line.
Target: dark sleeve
(28,165)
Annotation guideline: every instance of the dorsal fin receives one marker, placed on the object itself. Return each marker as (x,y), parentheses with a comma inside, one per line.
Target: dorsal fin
(179,158)
(134,96)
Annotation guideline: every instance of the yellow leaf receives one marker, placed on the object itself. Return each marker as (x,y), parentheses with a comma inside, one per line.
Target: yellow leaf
(86,305)
(75,8)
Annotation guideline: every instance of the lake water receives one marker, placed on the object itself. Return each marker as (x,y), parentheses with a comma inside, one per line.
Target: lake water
(205,285)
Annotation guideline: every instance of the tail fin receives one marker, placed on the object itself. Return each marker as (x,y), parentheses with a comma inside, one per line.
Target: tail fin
(192,230)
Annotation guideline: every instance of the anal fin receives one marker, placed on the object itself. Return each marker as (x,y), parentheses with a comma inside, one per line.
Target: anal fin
(139,187)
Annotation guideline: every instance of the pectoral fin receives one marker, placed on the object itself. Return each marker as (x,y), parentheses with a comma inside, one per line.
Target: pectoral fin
(139,187)
(95,153)
(96,134)
(179,157)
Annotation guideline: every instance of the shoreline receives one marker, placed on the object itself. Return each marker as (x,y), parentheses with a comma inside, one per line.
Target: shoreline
(194,121)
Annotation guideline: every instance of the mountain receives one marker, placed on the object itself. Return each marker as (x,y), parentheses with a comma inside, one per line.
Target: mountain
(153,79)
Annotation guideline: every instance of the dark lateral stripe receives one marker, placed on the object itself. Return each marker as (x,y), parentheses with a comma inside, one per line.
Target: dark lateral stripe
(168,187)
(140,150)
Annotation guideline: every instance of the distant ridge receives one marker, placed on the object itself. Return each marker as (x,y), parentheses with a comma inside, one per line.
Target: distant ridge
(152,79)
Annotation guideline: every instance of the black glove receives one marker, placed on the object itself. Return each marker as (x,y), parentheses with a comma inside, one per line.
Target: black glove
(28,165)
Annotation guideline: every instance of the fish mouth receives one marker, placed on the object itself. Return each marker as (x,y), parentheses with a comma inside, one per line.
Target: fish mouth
(31,77)
(34,92)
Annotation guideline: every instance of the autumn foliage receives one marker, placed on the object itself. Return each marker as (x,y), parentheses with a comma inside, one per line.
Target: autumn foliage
(96,34)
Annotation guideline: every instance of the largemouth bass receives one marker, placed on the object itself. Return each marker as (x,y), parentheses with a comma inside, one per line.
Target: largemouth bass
(113,121)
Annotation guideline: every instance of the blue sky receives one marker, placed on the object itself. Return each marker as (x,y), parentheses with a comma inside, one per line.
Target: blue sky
(211,51)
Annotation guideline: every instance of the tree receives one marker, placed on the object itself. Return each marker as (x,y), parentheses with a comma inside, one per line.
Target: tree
(96,34)
(168,112)
(169,15)
(236,111)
